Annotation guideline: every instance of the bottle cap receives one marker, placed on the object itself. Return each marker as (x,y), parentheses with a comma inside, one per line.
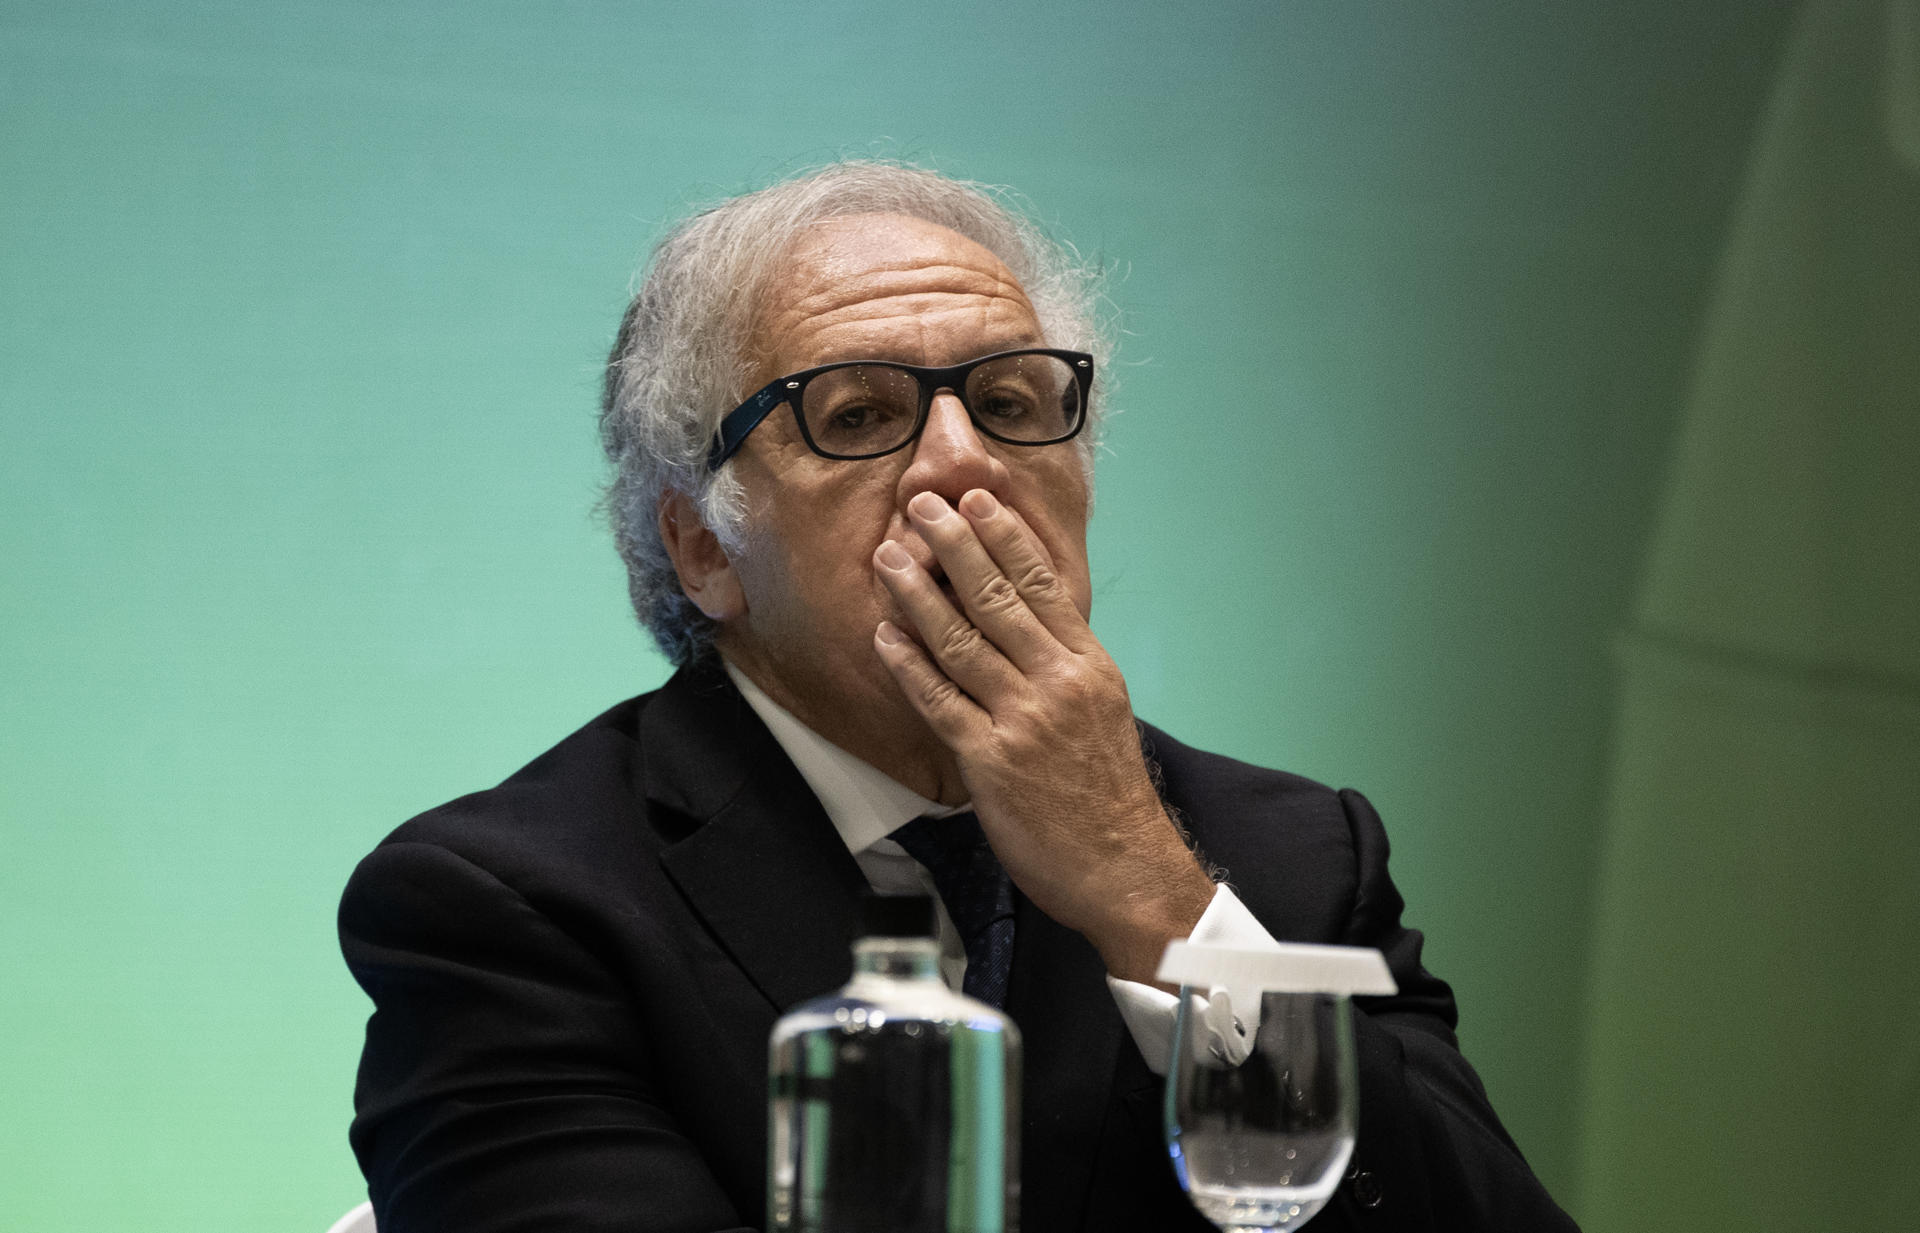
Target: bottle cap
(898,916)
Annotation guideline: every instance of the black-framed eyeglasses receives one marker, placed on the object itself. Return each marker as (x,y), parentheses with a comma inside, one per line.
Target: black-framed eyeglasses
(865,408)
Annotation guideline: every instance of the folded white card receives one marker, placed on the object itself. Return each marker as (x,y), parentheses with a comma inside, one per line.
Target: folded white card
(1283,967)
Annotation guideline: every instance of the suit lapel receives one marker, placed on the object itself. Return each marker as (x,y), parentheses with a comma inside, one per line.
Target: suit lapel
(761,864)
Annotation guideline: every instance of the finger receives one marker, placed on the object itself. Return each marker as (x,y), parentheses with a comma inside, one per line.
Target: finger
(1024,561)
(991,599)
(954,717)
(955,643)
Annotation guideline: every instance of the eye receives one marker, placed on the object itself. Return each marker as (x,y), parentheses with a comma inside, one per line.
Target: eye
(859,408)
(1004,404)
(852,417)
(857,414)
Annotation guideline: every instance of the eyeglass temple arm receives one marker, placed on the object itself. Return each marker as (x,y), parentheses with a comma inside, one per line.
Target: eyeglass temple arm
(741,421)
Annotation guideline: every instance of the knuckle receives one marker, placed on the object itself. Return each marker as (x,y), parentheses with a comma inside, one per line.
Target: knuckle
(1078,689)
(937,694)
(959,641)
(1036,576)
(998,594)
(1087,691)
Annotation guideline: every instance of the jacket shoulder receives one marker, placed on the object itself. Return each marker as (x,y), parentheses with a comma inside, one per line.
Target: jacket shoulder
(1209,785)
(574,807)
(1285,843)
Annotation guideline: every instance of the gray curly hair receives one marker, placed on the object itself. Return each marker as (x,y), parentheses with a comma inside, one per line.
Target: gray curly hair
(680,361)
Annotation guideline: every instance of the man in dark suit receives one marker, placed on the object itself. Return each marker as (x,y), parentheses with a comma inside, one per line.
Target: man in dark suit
(873,573)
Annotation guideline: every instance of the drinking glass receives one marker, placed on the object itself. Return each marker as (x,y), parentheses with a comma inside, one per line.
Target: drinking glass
(1262,1094)
(1262,1142)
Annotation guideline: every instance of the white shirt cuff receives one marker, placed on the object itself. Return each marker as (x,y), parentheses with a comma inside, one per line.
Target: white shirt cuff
(1148,1012)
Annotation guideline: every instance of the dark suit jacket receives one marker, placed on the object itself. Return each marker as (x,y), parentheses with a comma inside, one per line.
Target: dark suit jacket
(574,976)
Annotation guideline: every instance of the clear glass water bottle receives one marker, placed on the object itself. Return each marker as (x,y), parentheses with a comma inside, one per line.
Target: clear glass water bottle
(895,1102)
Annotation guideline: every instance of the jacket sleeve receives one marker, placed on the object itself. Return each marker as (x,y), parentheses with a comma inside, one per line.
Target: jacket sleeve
(1432,1153)
(506,1083)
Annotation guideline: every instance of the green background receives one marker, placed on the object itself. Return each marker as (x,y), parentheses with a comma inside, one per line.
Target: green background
(1513,423)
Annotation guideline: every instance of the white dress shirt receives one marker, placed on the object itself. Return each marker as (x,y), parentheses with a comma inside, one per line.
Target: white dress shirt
(865,806)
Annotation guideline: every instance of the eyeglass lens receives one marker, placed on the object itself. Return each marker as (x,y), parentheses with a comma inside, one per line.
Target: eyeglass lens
(872,408)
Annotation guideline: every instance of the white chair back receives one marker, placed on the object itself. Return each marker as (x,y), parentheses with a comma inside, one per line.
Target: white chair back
(359,1220)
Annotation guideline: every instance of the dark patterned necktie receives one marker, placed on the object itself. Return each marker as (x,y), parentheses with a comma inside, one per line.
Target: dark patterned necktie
(977,892)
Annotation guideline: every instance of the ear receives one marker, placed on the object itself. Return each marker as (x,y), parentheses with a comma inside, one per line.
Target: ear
(706,575)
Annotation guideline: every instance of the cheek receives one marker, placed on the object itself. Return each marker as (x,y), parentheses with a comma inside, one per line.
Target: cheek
(1064,502)
(820,506)
(816,564)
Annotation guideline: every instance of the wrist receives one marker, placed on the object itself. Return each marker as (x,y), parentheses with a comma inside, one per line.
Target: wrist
(1135,935)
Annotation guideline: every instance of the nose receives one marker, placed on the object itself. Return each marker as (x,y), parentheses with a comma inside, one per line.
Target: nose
(951,458)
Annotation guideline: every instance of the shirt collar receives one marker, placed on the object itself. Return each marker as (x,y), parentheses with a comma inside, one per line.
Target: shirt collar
(863,802)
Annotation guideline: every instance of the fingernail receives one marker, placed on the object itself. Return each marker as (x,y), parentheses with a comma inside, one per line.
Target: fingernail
(979,504)
(889,634)
(929,507)
(893,556)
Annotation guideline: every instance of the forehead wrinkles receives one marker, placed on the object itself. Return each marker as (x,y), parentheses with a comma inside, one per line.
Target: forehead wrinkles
(830,296)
